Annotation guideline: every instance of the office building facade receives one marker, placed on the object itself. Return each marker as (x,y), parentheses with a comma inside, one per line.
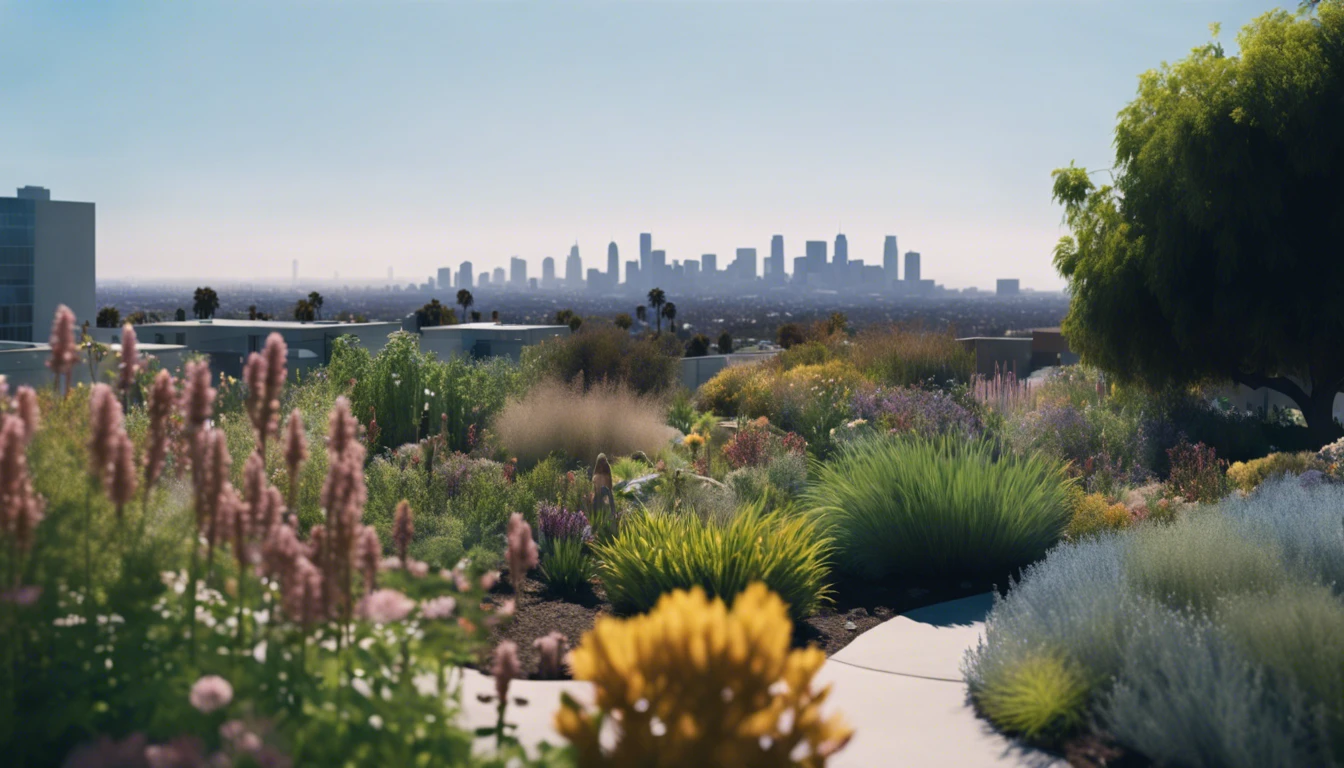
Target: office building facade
(47,258)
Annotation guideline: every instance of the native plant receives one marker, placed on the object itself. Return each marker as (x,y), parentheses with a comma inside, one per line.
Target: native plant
(663,677)
(938,507)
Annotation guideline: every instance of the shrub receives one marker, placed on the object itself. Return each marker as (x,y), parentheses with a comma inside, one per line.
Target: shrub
(1093,514)
(737,390)
(922,412)
(808,353)
(657,553)
(1197,474)
(604,419)
(606,355)
(1299,634)
(1200,559)
(939,507)
(906,356)
(1248,475)
(672,667)
(1043,698)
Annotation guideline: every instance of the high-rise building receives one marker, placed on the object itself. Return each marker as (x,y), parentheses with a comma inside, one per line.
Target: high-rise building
(774,266)
(483,281)
(547,273)
(816,256)
(47,258)
(911,267)
(632,273)
(1008,287)
(709,264)
(497,276)
(518,273)
(465,279)
(445,279)
(657,265)
(891,259)
(744,264)
(646,255)
(841,253)
(574,268)
(613,265)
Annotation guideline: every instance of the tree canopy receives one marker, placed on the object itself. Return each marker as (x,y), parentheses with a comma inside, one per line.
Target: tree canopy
(204,302)
(1215,253)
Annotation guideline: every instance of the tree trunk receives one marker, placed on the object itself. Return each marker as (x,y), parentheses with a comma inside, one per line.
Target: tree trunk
(1319,412)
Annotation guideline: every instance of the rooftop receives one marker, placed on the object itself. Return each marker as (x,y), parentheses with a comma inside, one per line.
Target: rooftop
(260,324)
(489,327)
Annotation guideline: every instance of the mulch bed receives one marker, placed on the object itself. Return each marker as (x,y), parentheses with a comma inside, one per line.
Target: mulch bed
(857,608)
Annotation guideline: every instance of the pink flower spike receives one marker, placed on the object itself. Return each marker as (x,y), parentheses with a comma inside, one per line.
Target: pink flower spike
(210,693)
(520,552)
(25,405)
(385,606)
(403,528)
(64,349)
(505,667)
(130,360)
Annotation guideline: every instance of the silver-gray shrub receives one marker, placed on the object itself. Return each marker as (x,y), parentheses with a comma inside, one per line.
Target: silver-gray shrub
(1306,523)
(1187,696)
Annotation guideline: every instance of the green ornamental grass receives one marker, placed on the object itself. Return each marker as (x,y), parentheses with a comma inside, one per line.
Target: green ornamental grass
(945,506)
(1042,698)
(657,553)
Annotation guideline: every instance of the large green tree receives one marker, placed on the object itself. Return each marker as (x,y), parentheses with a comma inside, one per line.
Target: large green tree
(1217,252)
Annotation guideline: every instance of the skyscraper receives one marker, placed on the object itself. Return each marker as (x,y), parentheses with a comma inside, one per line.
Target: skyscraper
(891,259)
(841,253)
(646,255)
(709,264)
(744,264)
(445,279)
(911,267)
(816,256)
(497,276)
(613,265)
(547,273)
(465,279)
(518,273)
(657,265)
(47,249)
(574,268)
(774,266)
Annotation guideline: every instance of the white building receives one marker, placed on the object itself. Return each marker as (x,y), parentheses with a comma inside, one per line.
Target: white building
(228,342)
(47,259)
(482,340)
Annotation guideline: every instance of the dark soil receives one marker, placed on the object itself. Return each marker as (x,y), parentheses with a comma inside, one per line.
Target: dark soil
(858,607)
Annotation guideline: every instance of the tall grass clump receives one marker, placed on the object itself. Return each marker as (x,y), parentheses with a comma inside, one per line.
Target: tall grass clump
(657,553)
(906,356)
(606,355)
(938,507)
(558,417)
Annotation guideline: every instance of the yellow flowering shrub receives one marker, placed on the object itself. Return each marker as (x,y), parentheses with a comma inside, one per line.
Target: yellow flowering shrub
(692,683)
(738,390)
(1093,514)
(1248,475)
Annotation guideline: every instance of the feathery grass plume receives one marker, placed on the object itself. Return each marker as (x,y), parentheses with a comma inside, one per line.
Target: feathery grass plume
(274,353)
(521,551)
(105,423)
(551,655)
(64,349)
(121,474)
(403,529)
(130,361)
(28,412)
(368,555)
(21,509)
(295,448)
(160,411)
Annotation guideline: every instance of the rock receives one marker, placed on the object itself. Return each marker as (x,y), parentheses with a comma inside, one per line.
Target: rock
(851,626)
(857,613)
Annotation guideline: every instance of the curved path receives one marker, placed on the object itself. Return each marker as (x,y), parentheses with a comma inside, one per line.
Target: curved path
(899,684)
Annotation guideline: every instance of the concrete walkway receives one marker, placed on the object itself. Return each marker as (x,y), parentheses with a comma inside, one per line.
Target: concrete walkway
(899,685)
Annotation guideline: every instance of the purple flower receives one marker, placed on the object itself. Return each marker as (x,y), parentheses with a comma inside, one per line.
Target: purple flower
(557,523)
(923,412)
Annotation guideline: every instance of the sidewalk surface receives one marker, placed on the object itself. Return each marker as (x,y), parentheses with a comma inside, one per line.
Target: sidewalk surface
(899,684)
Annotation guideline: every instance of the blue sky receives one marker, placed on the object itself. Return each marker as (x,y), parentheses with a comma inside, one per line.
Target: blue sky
(221,140)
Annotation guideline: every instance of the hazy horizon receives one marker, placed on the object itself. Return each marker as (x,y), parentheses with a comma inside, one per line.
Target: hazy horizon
(223,141)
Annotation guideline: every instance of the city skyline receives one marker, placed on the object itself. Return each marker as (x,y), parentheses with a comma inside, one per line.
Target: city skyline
(233,139)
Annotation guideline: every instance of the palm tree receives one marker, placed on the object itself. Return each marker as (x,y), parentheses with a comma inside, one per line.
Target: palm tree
(204,302)
(656,300)
(670,312)
(465,300)
(316,300)
(304,311)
